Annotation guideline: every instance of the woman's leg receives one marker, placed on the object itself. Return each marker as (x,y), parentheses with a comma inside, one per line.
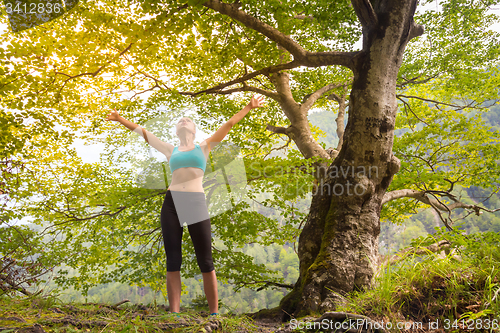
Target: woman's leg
(210,286)
(172,241)
(174,288)
(201,235)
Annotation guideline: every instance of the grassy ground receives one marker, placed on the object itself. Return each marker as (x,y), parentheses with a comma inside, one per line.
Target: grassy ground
(453,291)
(457,290)
(37,314)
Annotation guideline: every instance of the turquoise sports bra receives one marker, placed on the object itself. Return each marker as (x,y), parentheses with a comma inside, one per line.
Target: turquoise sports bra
(191,158)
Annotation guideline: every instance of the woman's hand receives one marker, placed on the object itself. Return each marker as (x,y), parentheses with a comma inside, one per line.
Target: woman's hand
(256,102)
(113,116)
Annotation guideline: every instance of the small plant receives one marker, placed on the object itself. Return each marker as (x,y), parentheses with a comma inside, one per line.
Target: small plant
(200,303)
(45,302)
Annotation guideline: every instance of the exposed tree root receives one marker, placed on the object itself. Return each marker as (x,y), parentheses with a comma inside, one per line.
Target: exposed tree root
(34,329)
(69,320)
(340,322)
(20,320)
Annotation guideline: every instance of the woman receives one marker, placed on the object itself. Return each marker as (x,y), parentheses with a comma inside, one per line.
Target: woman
(184,194)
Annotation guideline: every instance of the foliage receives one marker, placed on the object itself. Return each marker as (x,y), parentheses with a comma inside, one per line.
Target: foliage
(282,260)
(148,57)
(480,248)
(25,261)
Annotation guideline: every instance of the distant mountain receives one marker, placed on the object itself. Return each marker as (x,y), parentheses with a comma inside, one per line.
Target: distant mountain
(325,120)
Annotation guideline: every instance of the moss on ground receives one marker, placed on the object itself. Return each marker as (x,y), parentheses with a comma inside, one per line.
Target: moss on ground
(49,315)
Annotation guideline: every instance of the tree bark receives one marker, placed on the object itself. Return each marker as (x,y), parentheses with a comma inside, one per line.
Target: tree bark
(338,247)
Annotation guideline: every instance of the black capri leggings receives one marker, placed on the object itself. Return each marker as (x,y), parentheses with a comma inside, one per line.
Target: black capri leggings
(200,232)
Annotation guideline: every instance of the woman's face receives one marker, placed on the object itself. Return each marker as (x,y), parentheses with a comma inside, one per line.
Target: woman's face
(186,123)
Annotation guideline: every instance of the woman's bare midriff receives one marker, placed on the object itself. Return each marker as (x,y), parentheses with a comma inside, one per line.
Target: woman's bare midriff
(187,179)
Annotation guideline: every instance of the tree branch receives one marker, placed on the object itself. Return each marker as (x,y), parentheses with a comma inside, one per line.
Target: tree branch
(415,30)
(245,87)
(96,71)
(120,303)
(398,194)
(270,94)
(251,22)
(72,217)
(414,80)
(264,71)
(93,74)
(459,107)
(340,116)
(308,103)
(365,13)
(304,17)
(408,107)
(278,148)
(318,59)
(435,203)
(301,56)
(13,286)
(279,129)
(267,284)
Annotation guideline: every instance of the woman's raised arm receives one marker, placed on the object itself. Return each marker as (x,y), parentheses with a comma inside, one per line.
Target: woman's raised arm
(163,147)
(219,135)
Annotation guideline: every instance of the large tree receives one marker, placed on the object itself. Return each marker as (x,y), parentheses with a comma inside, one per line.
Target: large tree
(148,55)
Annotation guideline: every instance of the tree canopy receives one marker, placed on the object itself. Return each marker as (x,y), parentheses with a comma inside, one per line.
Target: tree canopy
(154,59)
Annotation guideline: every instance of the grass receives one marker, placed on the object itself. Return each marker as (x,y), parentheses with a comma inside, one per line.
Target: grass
(55,316)
(464,289)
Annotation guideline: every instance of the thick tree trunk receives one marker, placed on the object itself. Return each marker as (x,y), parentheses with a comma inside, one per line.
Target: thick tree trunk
(338,247)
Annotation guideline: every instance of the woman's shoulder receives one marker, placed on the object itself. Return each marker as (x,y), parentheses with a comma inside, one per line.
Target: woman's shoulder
(204,147)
